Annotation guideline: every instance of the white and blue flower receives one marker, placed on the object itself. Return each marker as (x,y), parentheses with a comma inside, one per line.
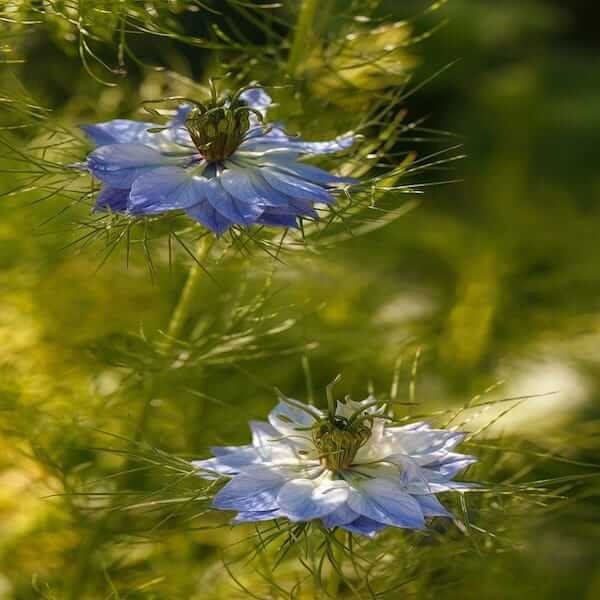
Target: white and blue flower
(217,162)
(353,470)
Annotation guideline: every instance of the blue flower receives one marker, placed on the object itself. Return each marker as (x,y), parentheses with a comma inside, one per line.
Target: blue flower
(217,162)
(351,470)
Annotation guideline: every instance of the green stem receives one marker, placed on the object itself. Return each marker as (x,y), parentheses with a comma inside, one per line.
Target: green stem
(177,322)
(303,33)
(182,310)
(333,583)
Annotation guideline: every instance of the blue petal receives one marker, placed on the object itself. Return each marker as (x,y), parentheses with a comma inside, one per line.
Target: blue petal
(340,516)
(257,99)
(385,501)
(255,489)
(238,183)
(112,199)
(364,526)
(277,138)
(300,208)
(229,464)
(181,114)
(432,507)
(256,516)
(164,189)
(263,434)
(119,165)
(275,220)
(119,131)
(451,464)
(307,499)
(277,202)
(237,211)
(309,173)
(294,187)
(207,215)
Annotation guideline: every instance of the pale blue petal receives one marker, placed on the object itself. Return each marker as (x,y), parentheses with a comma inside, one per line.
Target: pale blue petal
(288,418)
(256,516)
(340,143)
(432,507)
(263,434)
(451,464)
(342,515)
(231,463)
(306,499)
(165,189)
(364,526)
(112,199)
(386,501)
(309,173)
(276,138)
(119,165)
(255,489)
(294,187)
(206,214)
(237,211)
(119,131)
(181,114)
(257,99)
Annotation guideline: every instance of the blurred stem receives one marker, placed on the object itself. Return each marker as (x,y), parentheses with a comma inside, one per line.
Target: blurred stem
(333,583)
(303,33)
(182,310)
(177,322)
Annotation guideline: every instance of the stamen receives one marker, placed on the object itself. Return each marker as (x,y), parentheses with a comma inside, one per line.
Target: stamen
(217,129)
(338,440)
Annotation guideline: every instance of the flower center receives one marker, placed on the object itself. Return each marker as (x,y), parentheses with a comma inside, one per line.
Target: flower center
(218,129)
(339,440)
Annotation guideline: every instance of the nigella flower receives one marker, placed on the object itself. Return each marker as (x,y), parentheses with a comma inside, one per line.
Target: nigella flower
(352,469)
(217,162)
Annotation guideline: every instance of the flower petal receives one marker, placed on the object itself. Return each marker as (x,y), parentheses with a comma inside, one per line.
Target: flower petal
(255,489)
(387,502)
(342,515)
(307,499)
(257,99)
(451,464)
(308,172)
(256,516)
(119,165)
(112,199)
(242,212)
(288,417)
(364,526)
(432,507)
(294,187)
(231,463)
(206,214)
(263,434)
(165,189)
(119,131)
(278,220)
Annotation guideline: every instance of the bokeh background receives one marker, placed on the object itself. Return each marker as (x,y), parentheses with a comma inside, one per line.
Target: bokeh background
(493,277)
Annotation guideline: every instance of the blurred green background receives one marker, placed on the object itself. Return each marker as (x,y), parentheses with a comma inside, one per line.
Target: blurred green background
(491,278)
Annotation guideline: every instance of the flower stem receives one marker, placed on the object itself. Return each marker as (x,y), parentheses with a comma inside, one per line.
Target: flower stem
(176,324)
(303,33)
(182,310)
(333,583)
